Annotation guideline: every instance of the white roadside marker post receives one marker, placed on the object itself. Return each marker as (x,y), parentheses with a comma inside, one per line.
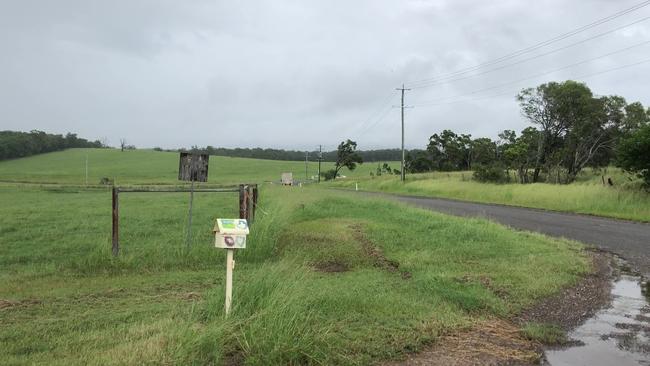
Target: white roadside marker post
(230,266)
(230,234)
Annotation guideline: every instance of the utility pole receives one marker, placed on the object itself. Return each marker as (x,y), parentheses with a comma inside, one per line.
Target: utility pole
(320,158)
(306,162)
(403,174)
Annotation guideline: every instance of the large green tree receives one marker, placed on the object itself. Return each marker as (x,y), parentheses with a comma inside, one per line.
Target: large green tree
(520,153)
(346,156)
(483,151)
(450,151)
(576,128)
(634,153)
(418,161)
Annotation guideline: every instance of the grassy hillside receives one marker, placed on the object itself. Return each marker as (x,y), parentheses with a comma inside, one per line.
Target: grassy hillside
(587,195)
(148,167)
(327,278)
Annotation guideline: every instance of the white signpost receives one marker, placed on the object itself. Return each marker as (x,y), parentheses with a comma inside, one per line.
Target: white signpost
(230,234)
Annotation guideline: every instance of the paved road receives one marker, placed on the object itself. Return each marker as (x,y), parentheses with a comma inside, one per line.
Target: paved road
(627,239)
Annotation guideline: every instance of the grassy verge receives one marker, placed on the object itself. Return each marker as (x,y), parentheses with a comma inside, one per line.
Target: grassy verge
(587,196)
(327,278)
(548,334)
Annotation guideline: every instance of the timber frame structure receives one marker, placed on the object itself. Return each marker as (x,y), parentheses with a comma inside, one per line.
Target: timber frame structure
(248,195)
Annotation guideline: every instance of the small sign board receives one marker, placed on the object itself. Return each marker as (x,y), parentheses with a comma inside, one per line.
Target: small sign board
(230,233)
(193,167)
(287,179)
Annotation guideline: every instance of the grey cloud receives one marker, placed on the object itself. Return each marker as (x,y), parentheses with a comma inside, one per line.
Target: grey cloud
(292,74)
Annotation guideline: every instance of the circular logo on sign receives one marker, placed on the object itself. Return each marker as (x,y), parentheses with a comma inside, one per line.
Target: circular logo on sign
(229,241)
(240,240)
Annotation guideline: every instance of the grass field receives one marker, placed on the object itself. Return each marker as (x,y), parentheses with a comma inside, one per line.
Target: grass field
(65,300)
(327,277)
(587,195)
(148,167)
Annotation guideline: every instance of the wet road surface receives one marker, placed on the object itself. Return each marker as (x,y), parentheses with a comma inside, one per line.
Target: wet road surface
(618,335)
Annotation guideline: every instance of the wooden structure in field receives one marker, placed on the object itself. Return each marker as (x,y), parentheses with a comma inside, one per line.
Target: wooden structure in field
(248,196)
(193,167)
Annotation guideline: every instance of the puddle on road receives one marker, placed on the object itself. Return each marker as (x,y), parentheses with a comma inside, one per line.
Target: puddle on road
(618,335)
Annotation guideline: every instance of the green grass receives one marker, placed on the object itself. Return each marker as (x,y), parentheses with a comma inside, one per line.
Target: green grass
(66,300)
(150,167)
(586,196)
(548,334)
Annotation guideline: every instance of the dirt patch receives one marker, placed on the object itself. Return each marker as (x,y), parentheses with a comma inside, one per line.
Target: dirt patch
(490,342)
(378,258)
(234,359)
(575,304)
(9,304)
(331,267)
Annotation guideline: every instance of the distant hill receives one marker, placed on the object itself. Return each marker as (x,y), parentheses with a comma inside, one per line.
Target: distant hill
(17,144)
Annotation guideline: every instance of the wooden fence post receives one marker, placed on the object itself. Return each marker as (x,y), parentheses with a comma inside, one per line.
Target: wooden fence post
(249,204)
(254,205)
(243,201)
(116,221)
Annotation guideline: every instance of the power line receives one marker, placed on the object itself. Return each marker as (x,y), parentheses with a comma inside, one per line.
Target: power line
(449,80)
(382,112)
(539,74)
(540,44)
(320,159)
(385,101)
(376,122)
(510,91)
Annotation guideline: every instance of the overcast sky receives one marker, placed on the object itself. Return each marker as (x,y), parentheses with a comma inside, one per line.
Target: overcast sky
(295,74)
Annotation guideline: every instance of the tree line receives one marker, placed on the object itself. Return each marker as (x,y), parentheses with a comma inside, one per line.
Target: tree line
(295,155)
(16,144)
(571,129)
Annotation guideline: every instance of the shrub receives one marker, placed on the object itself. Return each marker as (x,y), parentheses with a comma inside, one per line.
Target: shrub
(493,173)
(329,174)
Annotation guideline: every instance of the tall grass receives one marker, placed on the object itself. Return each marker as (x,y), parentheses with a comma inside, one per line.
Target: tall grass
(587,196)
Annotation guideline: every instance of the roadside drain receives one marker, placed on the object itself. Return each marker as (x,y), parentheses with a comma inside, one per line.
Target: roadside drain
(618,335)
